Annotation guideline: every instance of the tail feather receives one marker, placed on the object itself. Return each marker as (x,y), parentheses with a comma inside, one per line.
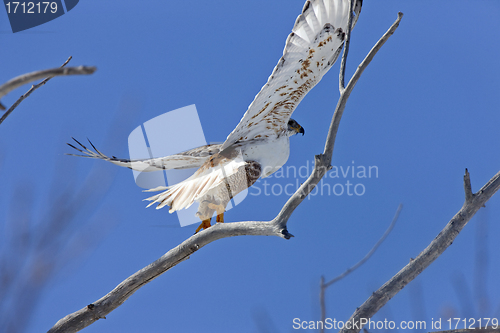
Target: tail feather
(185,193)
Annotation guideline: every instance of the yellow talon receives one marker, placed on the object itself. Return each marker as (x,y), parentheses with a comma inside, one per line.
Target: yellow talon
(204,224)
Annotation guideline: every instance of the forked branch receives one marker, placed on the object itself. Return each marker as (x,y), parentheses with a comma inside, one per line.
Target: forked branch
(277,227)
(473,202)
(30,77)
(324,285)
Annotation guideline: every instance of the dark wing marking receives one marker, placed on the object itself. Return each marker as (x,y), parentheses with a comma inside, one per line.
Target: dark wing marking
(310,50)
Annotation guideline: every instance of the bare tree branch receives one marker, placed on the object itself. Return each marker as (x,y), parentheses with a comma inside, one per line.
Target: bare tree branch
(345,93)
(346,48)
(39,244)
(27,78)
(444,239)
(276,227)
(322,303)
(324,286)
(30,77)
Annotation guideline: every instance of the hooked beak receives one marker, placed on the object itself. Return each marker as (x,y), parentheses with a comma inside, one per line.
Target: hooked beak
(301,130)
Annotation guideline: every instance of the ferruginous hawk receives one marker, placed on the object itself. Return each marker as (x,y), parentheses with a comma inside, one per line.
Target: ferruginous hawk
(259,145)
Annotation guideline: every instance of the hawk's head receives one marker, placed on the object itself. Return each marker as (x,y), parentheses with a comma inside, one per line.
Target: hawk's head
(294,128)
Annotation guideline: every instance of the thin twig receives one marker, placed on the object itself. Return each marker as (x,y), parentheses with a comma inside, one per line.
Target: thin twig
(370,253)
(322,162)
(27,78)
(324,286)
(371,54)
(346,47)
(322,303)
(43,243)
(444,239)
(467,186)
(47,74)
(334,126)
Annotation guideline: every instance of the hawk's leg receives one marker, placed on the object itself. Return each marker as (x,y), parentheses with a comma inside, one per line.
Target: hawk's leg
(204,224)
(220,209)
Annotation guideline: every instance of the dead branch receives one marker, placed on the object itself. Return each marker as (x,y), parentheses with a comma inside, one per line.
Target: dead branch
(323,286)
(30,77)
(276,227)
(473,202)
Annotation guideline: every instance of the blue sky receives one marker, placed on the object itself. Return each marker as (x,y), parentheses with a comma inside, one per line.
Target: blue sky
(424,110)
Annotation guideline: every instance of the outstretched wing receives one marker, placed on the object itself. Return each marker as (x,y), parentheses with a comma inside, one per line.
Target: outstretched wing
(310,50)
(193,158)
